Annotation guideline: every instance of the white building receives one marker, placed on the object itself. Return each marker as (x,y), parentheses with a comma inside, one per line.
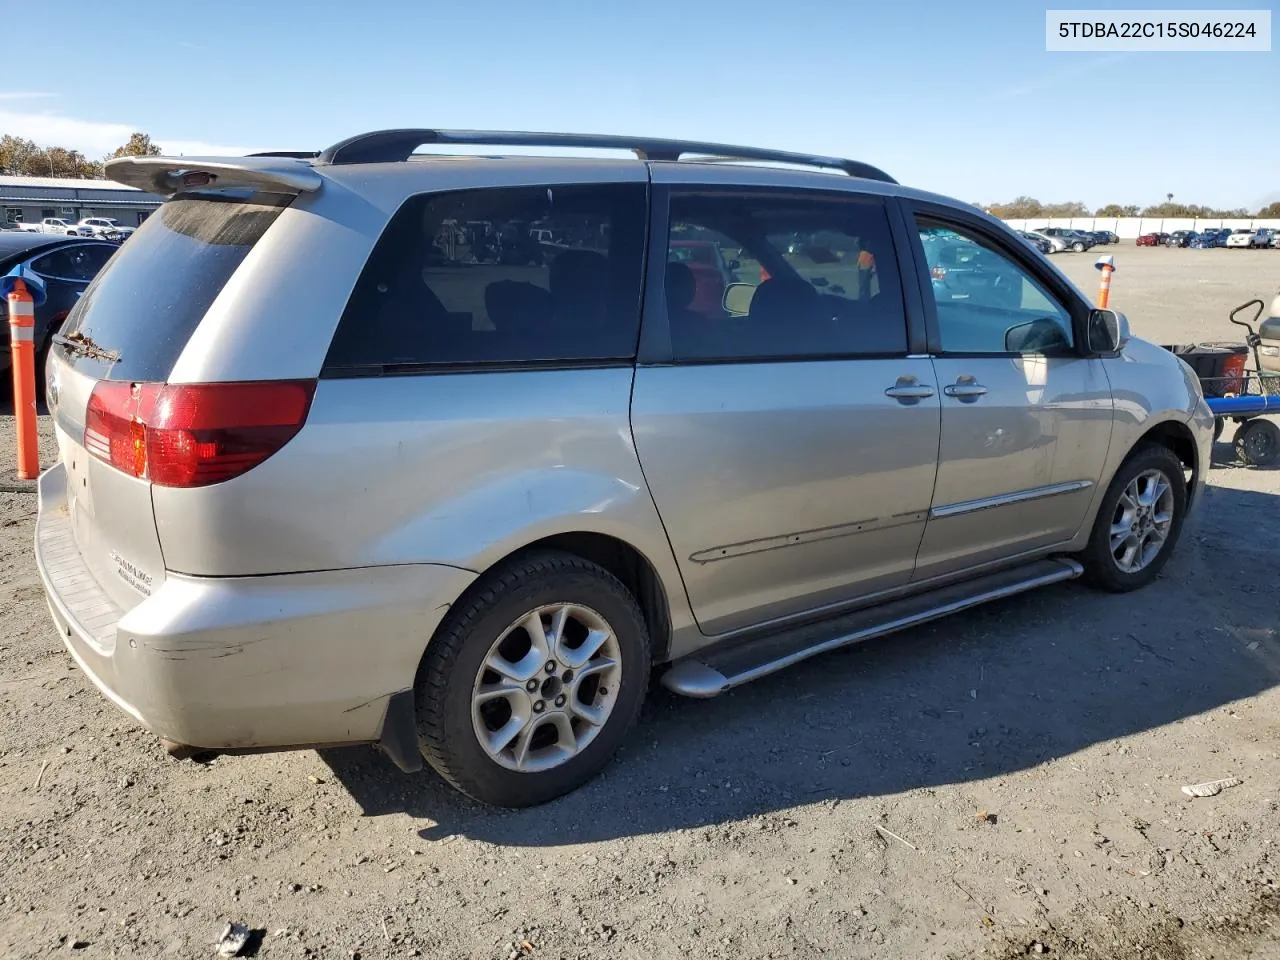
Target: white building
(31,199)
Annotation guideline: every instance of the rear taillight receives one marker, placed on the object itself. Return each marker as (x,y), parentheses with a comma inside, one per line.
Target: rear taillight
(192,435)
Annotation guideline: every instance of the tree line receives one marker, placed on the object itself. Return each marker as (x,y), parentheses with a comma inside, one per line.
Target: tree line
(1026,208)
(22,157)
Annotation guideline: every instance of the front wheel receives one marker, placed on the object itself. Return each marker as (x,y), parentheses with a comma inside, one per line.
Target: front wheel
(533,681)
(1138,522)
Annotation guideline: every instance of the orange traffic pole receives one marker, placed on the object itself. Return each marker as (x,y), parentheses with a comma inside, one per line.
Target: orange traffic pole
(1107,265)
(22,330)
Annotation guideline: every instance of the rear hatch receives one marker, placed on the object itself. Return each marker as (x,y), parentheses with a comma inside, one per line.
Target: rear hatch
(120,427)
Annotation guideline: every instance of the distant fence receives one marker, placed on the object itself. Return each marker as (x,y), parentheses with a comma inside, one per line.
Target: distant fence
(1130,228)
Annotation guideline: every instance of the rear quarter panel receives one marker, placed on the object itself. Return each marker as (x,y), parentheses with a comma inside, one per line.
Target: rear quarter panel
(459,469)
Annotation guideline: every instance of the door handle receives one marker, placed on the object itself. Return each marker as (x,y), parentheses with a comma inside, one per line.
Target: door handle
(966,389)
(909,389)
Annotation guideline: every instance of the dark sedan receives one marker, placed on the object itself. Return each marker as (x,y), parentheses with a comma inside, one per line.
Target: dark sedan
(66,265)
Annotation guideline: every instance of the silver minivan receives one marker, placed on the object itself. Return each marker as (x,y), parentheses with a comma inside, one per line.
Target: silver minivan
(349,454)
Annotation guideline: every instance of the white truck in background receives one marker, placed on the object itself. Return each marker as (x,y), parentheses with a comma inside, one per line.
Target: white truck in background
(56,225)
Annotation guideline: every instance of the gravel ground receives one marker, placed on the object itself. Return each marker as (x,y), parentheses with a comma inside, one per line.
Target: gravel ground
(1003,783)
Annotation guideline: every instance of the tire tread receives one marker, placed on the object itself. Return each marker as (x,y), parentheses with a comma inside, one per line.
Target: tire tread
(435,671)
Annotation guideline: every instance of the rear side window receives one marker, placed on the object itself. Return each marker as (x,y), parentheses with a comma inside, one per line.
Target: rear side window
(148,301)
(499,275)
(80,262)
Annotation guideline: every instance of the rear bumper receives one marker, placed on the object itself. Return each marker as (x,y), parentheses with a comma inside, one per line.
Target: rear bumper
(243,663)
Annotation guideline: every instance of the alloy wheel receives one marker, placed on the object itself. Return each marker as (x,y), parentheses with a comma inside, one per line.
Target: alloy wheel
(1142,521)
(546,688)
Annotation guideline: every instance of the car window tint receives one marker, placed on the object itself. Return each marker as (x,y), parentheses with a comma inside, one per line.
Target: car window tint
(500,275)
(77,262)
(775,274)
(986,302)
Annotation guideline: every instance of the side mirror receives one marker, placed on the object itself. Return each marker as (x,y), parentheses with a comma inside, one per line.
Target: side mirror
(737,299)
(1108,331)
(1037,336)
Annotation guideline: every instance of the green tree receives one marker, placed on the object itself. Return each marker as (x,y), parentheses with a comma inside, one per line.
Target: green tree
(1018,208)
(27,158)
(1116,210)
(1270,210)
(1071,208)
(139,145)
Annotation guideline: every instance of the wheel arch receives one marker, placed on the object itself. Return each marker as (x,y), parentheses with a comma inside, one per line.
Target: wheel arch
(1178,438)
(623,560)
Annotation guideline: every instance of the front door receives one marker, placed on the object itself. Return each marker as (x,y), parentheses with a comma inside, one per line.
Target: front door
(1026,418)
(788,438)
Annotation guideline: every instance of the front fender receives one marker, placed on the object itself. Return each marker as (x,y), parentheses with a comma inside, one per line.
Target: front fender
(1153,391)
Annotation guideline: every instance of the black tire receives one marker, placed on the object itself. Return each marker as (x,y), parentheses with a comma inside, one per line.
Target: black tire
(456,653)
(1217,428)
(1257,442)
(1100,566)
(1078,247)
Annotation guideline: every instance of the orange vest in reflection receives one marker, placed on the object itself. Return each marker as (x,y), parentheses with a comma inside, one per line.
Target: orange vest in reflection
(866,261)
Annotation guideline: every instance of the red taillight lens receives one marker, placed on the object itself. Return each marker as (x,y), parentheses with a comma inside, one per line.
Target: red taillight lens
(192,435)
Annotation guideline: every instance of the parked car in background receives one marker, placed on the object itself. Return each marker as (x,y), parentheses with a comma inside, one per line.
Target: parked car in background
(1056,244)
(1151,239)
(465,510)
(1241,238)
(1043,244)
(1275,239)
(1074,239)
(65,265)
(56,225)
(107,228)
(1101,237)
(1179,238)
(1110,235)
(1213,237)
(1264,237)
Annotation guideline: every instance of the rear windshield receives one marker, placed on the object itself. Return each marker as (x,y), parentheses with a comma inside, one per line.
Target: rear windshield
(144,306)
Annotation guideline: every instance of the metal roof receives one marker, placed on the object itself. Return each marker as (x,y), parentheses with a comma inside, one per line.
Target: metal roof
(62,183)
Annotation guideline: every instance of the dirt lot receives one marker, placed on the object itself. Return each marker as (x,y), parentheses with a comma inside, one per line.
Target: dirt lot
(1002,783)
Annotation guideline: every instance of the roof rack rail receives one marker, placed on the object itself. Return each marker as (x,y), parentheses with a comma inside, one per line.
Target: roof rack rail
(292,154)
(386,146)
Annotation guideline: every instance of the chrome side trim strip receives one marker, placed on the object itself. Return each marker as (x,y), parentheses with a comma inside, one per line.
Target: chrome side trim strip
(745,547)
(693,678)
(1005,499)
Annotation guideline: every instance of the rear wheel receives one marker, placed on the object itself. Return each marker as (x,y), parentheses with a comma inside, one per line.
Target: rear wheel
(1078,247)
(533,681)
(1138,522)
(1257,442)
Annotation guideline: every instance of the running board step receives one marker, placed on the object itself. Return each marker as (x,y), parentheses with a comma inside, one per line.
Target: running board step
(730,664)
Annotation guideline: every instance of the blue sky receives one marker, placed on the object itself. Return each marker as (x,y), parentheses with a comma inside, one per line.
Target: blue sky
(960,98)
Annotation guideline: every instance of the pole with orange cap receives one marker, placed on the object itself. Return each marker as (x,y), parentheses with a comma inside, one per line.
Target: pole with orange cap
(23,291)
(1106,264)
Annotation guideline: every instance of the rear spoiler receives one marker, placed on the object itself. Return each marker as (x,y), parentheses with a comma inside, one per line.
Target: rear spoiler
(169,175)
